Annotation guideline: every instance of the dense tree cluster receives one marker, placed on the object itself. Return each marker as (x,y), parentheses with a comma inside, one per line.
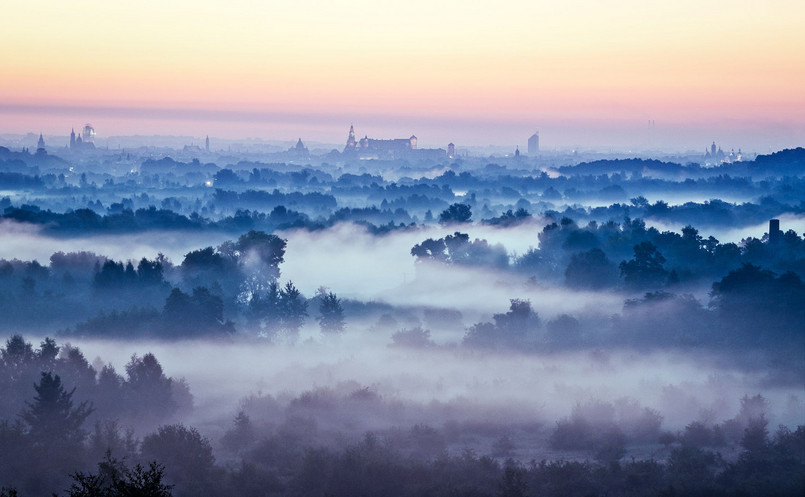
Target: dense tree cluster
(52,447)
(75,413)
(211,291)
(627,255)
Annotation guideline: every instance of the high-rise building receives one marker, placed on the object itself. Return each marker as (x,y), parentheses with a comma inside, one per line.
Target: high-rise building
(533,144)
(88,134)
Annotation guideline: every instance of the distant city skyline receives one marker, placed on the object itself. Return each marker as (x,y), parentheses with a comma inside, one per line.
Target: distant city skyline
(584,73)
(620,136)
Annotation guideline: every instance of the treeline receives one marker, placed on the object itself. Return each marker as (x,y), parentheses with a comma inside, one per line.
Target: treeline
(751,312)
(76,415)
(211,291)
(244,199)
(612,255)
(766,466)
(140,397)
(122,220)
(713,212)
(69,436)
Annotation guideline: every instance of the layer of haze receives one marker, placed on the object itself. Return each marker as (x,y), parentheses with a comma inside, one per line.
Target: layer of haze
(582,72)
(467,385)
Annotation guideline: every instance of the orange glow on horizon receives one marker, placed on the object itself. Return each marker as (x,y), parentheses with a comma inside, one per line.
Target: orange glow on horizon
(689,61)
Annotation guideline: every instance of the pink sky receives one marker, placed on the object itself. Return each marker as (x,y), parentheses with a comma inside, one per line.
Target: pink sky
(581,72)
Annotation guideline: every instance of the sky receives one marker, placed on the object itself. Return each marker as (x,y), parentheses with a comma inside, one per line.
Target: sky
(583,73)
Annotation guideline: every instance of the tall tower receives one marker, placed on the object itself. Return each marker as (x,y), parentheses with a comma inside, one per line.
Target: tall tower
(72,138)
(207,143)
(40,146)
(775,233)
(533,144)
(413,142)
(451,150)
(351,143)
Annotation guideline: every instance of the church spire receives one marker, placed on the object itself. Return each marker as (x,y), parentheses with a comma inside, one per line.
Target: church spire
(40,145)
(351,143)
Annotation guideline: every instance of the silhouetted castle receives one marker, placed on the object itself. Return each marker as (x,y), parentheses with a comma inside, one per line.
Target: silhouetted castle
(397,148)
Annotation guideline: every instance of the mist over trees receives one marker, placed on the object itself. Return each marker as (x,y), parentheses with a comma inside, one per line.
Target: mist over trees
(312,444)
(394,379)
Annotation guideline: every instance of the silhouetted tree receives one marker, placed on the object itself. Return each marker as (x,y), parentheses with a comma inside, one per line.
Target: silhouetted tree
(590,270)
(293,309)
(270,249)
(114,479)
(186,454)
(646,268)
(149,390)
(456,213)
(331,319)
(430,249)
(51,418)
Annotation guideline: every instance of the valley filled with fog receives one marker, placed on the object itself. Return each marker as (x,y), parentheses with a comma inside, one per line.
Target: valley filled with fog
(318,325)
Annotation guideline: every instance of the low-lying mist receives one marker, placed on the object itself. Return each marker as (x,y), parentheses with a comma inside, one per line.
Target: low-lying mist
(433,386)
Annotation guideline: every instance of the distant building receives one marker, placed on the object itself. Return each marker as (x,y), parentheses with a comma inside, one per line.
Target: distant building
(775,234)
(88,134)
(40,146)
(84,141)
(351,143)
(451,150)
(533,144)
(715,155)
(397,148)
(517,152)
(299,151)
(207,144)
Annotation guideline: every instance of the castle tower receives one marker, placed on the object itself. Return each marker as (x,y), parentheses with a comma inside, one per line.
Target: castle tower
(451,150)
(517,152)
(207,144)
(413,142)
(72,138)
